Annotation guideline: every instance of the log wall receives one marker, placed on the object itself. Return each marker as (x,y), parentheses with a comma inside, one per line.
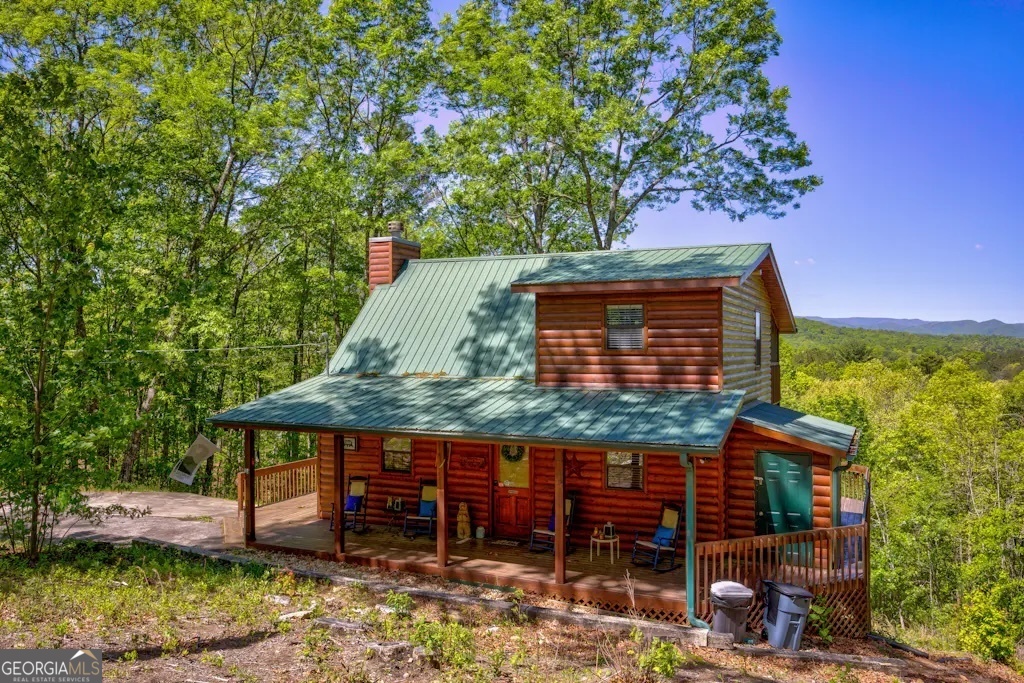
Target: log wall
(740,451)
(682,349)
(470,479)
(739,371)
(366,461)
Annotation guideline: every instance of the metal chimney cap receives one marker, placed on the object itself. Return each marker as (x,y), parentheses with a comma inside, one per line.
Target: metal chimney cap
(396,228)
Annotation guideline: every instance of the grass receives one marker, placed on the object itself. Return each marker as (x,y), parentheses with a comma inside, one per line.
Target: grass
(136,598)
(161,615)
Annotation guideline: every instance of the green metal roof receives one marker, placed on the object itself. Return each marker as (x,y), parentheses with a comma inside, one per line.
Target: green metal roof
(676,263)
(502,409)
(455,317)
(459,317)
(818,430)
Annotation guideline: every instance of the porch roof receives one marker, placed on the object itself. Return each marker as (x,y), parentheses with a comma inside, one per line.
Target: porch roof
(832,437)
(515,411)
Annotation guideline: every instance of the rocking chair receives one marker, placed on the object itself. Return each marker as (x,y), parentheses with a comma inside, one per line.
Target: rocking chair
(420,520)
(354,513)
(544,538)
(664,541)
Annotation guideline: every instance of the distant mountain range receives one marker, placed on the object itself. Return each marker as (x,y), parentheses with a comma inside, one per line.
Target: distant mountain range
(987,327)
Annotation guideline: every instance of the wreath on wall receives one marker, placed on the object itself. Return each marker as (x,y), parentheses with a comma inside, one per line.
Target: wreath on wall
(511,453)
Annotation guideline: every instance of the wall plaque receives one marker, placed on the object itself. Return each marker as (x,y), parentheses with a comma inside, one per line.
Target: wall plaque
(470,462)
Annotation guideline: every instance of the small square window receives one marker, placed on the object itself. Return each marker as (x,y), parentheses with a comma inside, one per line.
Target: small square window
(625,326)
(397,455)
(625,470)
(757,339)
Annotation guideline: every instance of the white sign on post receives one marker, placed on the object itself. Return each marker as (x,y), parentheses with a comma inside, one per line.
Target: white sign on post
(201,450)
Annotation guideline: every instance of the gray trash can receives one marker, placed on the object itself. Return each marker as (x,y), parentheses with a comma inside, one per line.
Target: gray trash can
(732,605)
(785,614)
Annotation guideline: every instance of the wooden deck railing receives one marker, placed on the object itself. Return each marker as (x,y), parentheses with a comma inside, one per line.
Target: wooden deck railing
(279,482)
(831,563)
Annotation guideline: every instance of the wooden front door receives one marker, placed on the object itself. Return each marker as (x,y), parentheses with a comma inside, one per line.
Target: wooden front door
(784,492)
(513,499)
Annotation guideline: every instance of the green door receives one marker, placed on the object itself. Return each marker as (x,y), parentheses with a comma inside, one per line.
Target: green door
(783,492)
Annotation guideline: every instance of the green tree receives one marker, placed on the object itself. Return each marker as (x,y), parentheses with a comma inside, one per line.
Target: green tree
(68,155)
(577,115)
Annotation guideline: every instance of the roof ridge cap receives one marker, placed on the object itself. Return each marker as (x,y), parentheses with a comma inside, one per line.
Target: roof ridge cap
(564,254)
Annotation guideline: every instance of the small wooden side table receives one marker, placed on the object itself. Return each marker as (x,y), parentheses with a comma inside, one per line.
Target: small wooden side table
(614,549)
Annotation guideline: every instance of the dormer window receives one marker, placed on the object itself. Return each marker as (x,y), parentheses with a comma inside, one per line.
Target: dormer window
(624,327)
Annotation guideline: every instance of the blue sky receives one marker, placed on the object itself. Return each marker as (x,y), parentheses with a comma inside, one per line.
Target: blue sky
(914,112)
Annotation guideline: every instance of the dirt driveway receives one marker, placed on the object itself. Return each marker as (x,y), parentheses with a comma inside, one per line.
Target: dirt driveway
(184,518)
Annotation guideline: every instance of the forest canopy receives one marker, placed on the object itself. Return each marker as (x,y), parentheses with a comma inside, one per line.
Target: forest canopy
(942,422)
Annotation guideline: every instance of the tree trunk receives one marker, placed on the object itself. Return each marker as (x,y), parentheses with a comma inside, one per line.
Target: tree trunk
(131,455)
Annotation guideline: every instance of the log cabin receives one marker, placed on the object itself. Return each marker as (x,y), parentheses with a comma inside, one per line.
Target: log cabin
(584,394)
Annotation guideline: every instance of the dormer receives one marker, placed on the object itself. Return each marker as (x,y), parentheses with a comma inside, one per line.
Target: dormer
(696,318)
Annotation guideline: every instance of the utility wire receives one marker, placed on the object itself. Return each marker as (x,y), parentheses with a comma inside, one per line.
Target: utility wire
(172,350)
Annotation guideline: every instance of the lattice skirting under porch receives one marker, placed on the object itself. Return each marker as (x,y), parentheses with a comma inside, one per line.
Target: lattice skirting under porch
(850,616)
(624,607)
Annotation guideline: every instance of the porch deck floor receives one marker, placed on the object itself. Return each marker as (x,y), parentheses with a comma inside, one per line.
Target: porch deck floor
(294,525)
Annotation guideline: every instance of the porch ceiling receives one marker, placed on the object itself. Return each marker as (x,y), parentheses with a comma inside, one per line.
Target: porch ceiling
(497,409)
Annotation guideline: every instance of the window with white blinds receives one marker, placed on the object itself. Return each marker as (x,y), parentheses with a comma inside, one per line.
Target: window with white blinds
(624,470)
(625,326)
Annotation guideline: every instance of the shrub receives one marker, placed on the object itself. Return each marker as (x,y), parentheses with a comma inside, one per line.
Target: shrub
(985,629)
(451,644)
(662,658)
(402,603)
(820,619)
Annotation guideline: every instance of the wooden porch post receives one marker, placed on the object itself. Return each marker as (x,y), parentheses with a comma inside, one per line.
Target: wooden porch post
(443,451)
(560,515)
(249,446)
(339,504)
(867,546)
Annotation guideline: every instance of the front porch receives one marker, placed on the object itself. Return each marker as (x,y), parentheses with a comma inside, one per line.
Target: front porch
(288,515)
(293,526)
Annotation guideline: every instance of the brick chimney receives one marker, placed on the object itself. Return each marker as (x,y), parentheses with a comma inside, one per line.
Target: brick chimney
(389,254)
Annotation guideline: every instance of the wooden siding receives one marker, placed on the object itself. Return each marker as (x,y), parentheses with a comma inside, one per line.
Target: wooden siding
(740,450)
(366,461)
(387,255)
(630,511)
(738,368)
(682,342)
(470,479)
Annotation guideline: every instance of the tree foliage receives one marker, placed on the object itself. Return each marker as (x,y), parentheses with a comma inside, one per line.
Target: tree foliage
(575,115)
(945,443)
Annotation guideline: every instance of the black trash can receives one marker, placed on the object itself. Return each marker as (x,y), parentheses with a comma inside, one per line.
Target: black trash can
(732,605)
(785,614)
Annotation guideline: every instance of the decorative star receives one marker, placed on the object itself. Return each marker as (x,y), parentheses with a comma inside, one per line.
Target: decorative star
(573,466)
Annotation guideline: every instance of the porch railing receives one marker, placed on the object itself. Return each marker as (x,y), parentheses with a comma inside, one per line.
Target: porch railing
(279,482)
(831,563)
